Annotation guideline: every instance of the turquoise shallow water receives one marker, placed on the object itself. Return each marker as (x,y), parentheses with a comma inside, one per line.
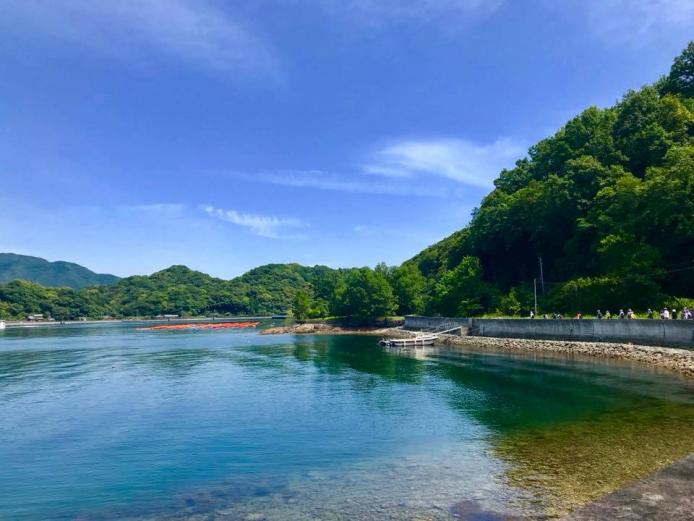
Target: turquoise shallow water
(108,422)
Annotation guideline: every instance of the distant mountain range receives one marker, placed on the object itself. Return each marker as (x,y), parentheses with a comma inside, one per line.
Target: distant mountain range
(51,274)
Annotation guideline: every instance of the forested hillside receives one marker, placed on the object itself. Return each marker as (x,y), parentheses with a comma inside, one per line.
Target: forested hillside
(607,204)
(54,274)
(178,290)
(317,291)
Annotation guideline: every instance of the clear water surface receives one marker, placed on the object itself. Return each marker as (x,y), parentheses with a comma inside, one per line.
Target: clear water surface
(111,422)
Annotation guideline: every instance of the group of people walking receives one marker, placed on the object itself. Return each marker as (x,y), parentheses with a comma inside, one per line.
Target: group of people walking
(665,314)
(628,315)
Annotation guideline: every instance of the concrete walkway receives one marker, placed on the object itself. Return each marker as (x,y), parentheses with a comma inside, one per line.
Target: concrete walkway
(667,495)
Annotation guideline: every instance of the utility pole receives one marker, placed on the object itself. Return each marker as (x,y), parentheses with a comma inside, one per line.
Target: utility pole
(535,292)
(542,277)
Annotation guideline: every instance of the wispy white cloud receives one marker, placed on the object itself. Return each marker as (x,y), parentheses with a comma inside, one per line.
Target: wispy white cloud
(194,31)
(356,183)
(401,169)
(155,208)
(635,20)
(456,159)
(263,225)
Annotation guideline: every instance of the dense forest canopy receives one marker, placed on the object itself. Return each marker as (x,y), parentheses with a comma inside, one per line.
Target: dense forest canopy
(601,215)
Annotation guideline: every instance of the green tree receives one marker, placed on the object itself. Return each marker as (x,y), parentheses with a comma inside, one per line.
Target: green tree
(409,287)
(681,77)
(5,312)
(510,304)
(462,290)
(367,295)
(303,304)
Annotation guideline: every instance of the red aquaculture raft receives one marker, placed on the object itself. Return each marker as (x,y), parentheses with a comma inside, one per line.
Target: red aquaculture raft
(207,325)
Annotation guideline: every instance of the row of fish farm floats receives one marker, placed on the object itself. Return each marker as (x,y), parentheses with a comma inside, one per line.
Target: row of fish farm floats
(203,326)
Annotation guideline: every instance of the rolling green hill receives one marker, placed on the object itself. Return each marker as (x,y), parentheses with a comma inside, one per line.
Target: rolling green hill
(51,274)
(267,289)
(264,290)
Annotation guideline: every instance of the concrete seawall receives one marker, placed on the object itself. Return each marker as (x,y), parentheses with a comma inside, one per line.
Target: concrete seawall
(668,333)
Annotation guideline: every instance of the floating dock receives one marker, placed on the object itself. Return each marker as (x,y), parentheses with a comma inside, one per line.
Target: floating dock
(419,340)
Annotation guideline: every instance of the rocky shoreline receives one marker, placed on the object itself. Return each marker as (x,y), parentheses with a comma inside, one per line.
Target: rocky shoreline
(678,360)
(331,329)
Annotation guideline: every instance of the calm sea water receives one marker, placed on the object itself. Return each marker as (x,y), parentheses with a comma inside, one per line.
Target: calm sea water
(109,422)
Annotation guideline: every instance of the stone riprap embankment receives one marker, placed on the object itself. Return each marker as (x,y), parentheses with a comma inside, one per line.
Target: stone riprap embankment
(679,360)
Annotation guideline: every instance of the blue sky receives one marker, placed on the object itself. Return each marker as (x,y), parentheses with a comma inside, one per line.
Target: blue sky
(228,134)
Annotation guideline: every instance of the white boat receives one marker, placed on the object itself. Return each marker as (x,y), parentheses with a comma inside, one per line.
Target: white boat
(2,324)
